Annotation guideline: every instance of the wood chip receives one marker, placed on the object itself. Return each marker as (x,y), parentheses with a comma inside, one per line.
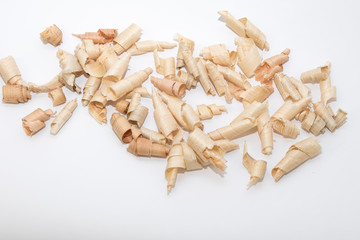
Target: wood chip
(208,111)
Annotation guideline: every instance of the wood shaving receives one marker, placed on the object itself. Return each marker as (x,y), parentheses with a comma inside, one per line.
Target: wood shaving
(35,121)
(218,81)
(137,113)
(57,96)
(147,46)
(206,149)
(121,88)
(15,94)
(269,67)
(91,86)
(186,78)
(208,111)
(182,112)
(290,88)
(52,35)
(204,77)
(164,66)
(165,121)
(227,145)
(122,128)
(295,156)
(171,87)
(244,28)
(147,148)
(127,38)
(175,161)
(256,168)
(122,106)
(153,135)
(233,77)
(63,116)
(102,36)
(218,54)
(185,45)
(248,55)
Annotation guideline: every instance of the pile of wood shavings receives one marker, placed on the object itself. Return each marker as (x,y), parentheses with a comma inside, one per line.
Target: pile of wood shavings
(103,58)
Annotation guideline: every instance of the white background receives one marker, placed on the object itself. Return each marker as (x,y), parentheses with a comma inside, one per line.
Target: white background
(83,184)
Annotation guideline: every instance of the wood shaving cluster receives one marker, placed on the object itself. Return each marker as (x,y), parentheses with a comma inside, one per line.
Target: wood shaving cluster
(103,58)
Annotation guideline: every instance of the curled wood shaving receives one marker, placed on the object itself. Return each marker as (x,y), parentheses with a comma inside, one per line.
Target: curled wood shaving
(90,66)
(91,86)
(182,112)
(269,67)
(206,149)
(290,88)
(137,113)
(71,69)
(233,77)
(147,148)
(255,34)
(122,106)
(47,87)
(98,112)
(15,94)
(281,118)
(249,57)
(121,88)
(52,35)
(295,156)
(244,28)
(118,68)
(316,75)
(190,64)
(252,111)
(256,168)
(147,46)
(175,161)
(63,116)
(35,121)
(185,44)
(227,145)
(218,81)
(164,66)
(10,72)
(204,77)
(186,78)
(127,38)
(256,93)
(57,96)
(153,135)
(208,111)
(311,122)
(218,54)
(326,115)
(122,128)
(102,36)
(165,121)
(171,87)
